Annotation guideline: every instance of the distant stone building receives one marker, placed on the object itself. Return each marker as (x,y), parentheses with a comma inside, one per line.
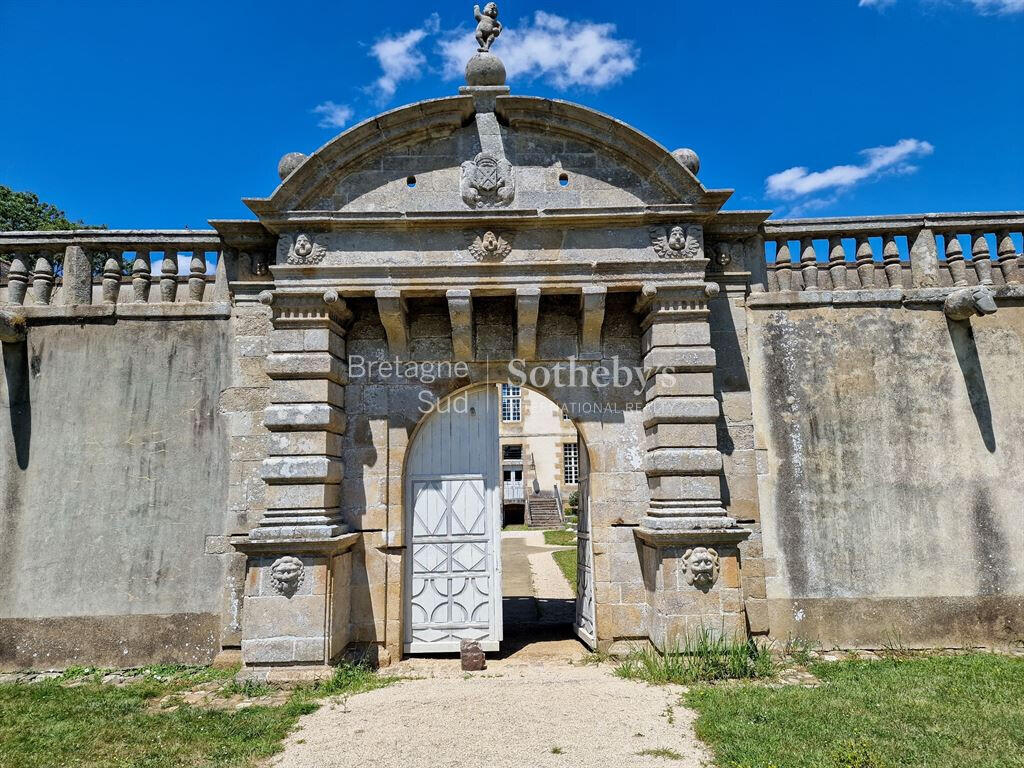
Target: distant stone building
(803,428)
(540,466)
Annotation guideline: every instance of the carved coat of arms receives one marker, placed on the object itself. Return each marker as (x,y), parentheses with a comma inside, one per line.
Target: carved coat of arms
(490,246)
(299,250)
(676,242)
(487,181)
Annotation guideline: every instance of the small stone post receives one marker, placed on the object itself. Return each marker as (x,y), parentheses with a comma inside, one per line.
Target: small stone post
(77,276)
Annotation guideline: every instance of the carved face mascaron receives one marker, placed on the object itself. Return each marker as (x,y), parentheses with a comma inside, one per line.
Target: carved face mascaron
(286,574)
(702,566)
(303,246)
(676,242)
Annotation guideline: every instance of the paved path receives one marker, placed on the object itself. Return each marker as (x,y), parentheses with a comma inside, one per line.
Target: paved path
(513,715)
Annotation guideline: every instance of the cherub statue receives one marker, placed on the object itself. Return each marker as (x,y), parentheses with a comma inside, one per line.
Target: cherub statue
(488,27)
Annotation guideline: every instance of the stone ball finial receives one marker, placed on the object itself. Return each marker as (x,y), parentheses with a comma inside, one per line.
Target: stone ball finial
(289,163)
(688,159)
(485,69)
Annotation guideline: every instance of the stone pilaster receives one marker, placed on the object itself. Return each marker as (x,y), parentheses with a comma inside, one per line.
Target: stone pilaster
(690,556)
(306,418)
(680,410)
(295,616)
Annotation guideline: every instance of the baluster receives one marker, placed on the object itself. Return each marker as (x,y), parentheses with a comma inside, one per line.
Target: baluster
(981,258)
(891,262)
(1007,253)
(784,265)
(141,276)
(809,264)
(197,276)
(112,278)
(865,263)
(17,280)
(837,263)
(42,279)
(955,260)
(169,277)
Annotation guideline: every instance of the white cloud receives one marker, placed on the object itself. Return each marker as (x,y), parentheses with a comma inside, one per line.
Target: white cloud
(878,161)
(400,58)
(563,53)
(333,115)
(982,6)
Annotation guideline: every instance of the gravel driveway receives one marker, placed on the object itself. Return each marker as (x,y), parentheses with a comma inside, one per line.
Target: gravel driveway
(513,714)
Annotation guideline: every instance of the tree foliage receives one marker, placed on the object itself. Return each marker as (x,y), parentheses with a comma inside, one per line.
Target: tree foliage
(24,211)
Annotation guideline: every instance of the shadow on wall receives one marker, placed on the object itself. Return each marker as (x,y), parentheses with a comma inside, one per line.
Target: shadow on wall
(17,375)
(962,335)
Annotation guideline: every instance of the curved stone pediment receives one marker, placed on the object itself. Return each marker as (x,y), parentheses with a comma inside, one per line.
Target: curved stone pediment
(455,156)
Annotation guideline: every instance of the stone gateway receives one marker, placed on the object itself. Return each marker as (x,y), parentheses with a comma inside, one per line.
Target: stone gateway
(823,441)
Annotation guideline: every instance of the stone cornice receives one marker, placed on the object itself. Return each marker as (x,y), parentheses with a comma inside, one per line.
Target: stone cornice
(910,297)
(617,217)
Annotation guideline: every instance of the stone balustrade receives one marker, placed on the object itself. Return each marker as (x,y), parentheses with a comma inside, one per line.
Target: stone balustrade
(110,267)
(904,252)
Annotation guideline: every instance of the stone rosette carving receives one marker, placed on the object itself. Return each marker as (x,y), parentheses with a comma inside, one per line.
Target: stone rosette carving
(286,575)
(300,250)
(487,182)
(490,246)
(676,242)
(702,566)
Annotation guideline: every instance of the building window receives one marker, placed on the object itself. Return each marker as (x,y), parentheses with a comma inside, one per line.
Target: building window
(512,452)
(511,403)
(571,463)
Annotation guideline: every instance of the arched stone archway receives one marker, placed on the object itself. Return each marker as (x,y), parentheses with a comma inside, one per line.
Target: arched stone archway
(452,579)
(593,256)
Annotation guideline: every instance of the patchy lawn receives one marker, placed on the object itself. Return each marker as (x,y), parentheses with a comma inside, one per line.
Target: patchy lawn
(117,726)
(926,712)
(560,538)
(566,560)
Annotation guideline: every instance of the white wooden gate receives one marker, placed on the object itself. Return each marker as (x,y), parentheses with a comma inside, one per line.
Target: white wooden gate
(453,571)
(585,625)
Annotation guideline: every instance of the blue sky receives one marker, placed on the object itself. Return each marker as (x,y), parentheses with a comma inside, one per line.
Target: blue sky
(166,114)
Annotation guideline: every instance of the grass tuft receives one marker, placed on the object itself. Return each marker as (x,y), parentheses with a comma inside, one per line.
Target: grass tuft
(566,561)
(703,656)
(668,754)
(560,538)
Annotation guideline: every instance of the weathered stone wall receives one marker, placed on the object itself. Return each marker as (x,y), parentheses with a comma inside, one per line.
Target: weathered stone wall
(113,488)
(892,444)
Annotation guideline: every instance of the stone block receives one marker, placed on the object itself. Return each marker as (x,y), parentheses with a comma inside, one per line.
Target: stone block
(753,576)
(287,340)
(276,616)
(306,365)
(729,576)
(681,410)
(731,600)
(680,359)
(305,417)
(662,435)
(626,486)
(673,487)
(684,461)
(302,469)
(679,384)
(268,650)
(621,620)
(304,444)
(310,649)
(307,391)
(315,496)
(757,615)
(686,334)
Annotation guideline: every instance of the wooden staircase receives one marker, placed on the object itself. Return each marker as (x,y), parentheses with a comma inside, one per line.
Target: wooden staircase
(542,511)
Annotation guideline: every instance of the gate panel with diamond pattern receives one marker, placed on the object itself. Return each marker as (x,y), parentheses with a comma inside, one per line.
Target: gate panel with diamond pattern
(585,628)
(453,574)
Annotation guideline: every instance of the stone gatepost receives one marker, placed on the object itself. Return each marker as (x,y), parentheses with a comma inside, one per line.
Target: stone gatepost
(689,543)
(295,618)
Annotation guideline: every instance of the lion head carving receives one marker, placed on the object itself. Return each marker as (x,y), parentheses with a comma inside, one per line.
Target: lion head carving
(702,566)
(286,574)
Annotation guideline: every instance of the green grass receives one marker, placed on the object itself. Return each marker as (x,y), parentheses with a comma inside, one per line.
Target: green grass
(934,712)
(515,527)
(566,560)
(703,656)
(560,538)
(46,724)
